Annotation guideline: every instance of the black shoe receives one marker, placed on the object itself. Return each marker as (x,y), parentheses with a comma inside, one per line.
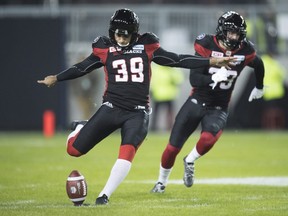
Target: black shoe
(103,200)
(77,122)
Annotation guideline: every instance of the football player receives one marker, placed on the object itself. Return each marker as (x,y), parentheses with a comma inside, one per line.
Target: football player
(126,56)
(208,102)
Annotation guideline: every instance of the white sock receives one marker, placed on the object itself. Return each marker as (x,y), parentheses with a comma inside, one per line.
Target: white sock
(164,175)
(192,156)
(118,173)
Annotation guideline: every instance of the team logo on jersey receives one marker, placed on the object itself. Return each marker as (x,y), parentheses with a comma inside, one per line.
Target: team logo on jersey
(114,49)
(135,49)
(239,59)
(217,54)
(132,51)
(201,36)
(228,53)
(138,47)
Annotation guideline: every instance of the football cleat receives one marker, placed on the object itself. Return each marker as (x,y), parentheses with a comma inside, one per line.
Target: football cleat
(188,177)
(158,188)
(103,200)
(75,123)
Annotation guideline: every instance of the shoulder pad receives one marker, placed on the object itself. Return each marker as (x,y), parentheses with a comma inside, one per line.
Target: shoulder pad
(96,39)
(201,36)
(249,45)
(101,41)
(148,38)
(205,40)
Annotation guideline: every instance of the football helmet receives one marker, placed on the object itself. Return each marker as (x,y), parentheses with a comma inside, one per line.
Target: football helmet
(233,22)
(124,21)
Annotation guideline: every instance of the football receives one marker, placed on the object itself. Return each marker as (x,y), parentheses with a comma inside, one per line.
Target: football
(76,188)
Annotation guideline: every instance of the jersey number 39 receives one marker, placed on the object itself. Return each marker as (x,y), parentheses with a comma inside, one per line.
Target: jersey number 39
(136,70)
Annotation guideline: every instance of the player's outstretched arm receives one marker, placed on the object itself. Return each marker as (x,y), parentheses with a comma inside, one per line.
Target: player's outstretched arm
(171,59)
(49,81)
(80,69)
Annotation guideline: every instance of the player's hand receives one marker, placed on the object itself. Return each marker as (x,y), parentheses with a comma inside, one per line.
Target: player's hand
(49,81)
(256,94)
(223,61)
(219,76)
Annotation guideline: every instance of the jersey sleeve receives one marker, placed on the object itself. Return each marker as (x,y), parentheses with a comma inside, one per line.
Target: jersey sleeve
(89,64)
(259,71)
(150,38)
(100,48)
(166,58)
(251,53)
(171,59)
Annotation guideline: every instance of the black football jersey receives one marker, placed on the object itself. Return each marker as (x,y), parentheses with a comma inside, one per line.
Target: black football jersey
(207,46)
(127,71)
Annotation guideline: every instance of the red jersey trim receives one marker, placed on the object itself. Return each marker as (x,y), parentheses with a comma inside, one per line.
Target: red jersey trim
(101,53)
(202,50)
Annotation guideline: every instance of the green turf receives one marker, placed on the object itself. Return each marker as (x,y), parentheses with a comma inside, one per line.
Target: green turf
(34,170)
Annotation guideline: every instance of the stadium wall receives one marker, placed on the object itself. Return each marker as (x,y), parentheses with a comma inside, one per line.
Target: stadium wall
(31,48)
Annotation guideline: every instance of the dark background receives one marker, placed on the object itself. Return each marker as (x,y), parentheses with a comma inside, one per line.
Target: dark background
(31,48)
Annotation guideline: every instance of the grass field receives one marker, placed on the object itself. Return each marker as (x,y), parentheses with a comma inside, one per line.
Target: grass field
(34,170)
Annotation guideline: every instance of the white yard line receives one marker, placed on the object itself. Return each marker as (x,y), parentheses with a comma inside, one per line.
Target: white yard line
(266,181)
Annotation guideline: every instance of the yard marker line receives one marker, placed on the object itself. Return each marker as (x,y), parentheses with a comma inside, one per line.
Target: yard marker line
(265,181)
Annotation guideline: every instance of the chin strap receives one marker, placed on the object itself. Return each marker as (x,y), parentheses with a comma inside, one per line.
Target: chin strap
(123,46)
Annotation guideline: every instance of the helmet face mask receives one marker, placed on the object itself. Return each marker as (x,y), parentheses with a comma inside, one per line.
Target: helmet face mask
(124,22)
(231,22)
